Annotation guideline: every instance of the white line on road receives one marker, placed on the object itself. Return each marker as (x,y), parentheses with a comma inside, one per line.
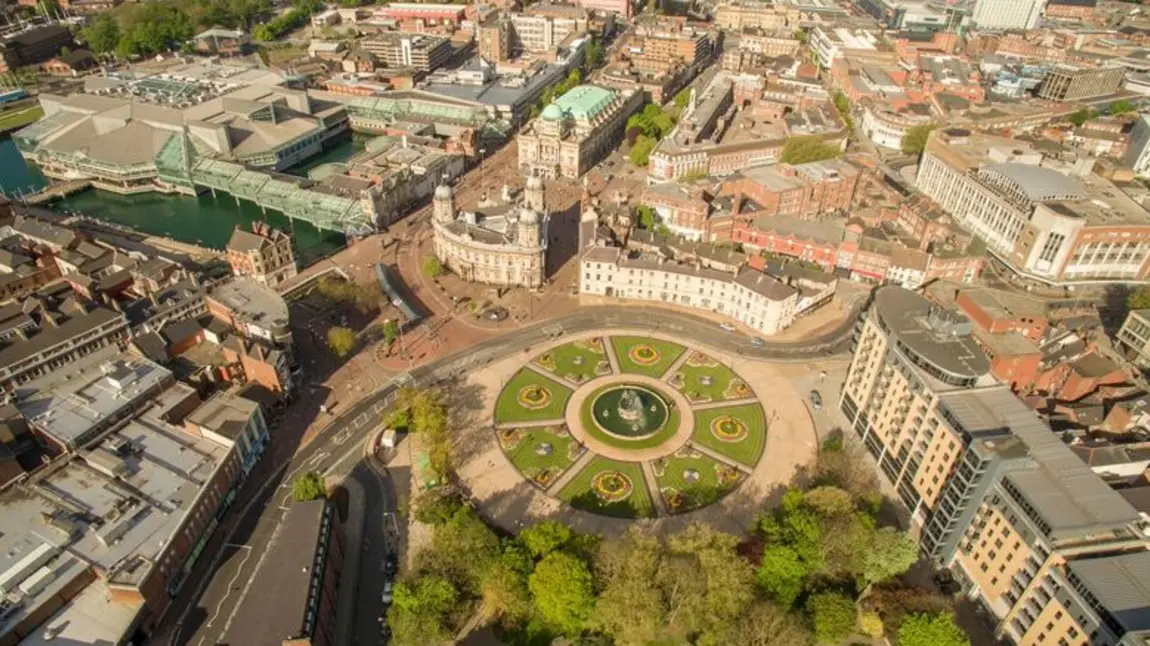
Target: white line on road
(239,571)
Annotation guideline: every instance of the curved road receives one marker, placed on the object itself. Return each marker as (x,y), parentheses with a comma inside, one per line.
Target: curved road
(338,450)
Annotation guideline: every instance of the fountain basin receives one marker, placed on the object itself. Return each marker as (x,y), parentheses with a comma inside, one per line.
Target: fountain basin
(630,411)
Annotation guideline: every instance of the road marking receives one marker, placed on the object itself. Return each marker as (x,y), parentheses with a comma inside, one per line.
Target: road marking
(219,606)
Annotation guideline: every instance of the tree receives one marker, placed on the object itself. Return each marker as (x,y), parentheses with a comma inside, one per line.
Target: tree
(365,298)
(594,54)
(464,550)
(438,506)
(1082,116)
(429,419)
(544,537)
(102,35)
(420,609)
(931,630)
(48,8)
(562,591)
(630,607)
(846,469)
(1121,106)
(766,624)
(308,486)
(843,104)
(1139,299)
(647,218)
(503,591)
(894,603)
(782,575)
(870,623)
(432,267)
(641,152)
(707,584)
(683,98)
(914,141)
(891,553)
(833,616)
(390,331)
(341,341)
(812,148)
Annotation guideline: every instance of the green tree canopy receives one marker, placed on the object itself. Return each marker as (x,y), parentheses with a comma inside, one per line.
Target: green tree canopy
(1082,116)
(1121,106)
(891,553)
(782,575)
(914,141)
(308,486)
(1139,299)
(545,537)
(102,34)
(766,624)
(562,591)
(683,98)
(465,549)
(341,341)
(594,54)
(390,331)
(810,148)
(647,217)
(833,616)
(931,630)
(640,153)
(364,297)
(432,267)
(420,611)
(631,605)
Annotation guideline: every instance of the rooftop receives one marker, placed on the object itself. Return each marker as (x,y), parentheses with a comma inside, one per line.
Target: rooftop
(251,300)
(941,337)
(582,103)
(1121,583)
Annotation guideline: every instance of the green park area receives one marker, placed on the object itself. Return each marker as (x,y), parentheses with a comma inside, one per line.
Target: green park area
(643,356)
(542,453)
(664,433)
(577,361)
(531,397)
(611,488)
(690,480)
(737,432)
(703,379)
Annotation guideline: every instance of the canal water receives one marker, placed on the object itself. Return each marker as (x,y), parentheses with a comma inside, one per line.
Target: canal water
(201,220)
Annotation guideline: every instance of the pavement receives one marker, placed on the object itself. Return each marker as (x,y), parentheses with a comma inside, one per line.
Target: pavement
(211,593)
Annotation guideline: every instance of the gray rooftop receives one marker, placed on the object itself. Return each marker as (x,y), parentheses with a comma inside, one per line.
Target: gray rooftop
(1121,583)
(1039,184)
(253,301)
(940,337)
(1068,496)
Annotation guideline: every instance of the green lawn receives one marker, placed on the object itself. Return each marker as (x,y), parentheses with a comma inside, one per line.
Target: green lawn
(668,353)
(674,418)
(521,447)
(689,379)
(508,409)
(745,451)
(578,492)
(19,118)
(564,360)
(700,493)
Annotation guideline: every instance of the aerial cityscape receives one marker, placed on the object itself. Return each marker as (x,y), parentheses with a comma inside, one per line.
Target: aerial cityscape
(575,323)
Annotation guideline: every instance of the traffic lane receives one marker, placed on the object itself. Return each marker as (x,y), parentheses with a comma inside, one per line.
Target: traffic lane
(369,607)
(206,621)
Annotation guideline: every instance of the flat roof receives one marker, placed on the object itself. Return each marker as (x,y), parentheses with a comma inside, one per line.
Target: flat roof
(67,405)
(1121,583)
(940,336)
(224,414)
(252,300)
(274,609)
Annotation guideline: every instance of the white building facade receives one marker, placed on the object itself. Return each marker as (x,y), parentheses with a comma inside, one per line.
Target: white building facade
(1007,14)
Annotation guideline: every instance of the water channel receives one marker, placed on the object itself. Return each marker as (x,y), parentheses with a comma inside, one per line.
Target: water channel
(201,220)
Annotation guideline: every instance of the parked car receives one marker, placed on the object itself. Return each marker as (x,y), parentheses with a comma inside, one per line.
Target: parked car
(386,598)
(391,564)
(730,327)
(816,400)
(758,342)
(495,314)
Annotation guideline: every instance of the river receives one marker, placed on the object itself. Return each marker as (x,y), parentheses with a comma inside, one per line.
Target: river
(201,220)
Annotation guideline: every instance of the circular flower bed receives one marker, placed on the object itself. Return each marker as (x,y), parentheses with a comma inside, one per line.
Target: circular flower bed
(674,499)
(612,486)
(644,354)
(728,429)
(534,397)
(727,474)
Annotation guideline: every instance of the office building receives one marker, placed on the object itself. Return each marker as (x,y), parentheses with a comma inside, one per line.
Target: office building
(33,46)
(1007,14)
(1076,83)
(1133,339)
(576,131)
(293,593)
(1031,533)
(416,51)
(1138,153)
(1047,218)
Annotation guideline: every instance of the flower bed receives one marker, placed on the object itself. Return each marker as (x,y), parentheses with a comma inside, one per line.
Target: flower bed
(737,389)
(729,429)
(728,475)
(644,355)
(509,438)
(700,360)
(533,397)
(612,486)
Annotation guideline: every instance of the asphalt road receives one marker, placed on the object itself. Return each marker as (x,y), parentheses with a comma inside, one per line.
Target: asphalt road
(338,450)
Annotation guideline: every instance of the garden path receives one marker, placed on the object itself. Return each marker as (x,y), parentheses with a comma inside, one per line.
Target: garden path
(570,473)
(723,403)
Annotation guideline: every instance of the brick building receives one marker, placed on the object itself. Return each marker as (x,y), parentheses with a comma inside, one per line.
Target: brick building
(264,253)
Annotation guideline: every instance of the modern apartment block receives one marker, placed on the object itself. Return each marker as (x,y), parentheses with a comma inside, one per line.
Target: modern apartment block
(1138,153)
(1007,14)
(1133,339)
(1048,218)
(1029,530)
(420,52)
(1077,83)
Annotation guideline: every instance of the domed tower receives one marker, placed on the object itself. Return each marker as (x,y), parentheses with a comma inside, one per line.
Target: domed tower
(533,194)
(443,204)
(528,234)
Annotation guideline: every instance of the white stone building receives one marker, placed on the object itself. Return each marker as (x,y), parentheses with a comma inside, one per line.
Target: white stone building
(576,131)
(501,244)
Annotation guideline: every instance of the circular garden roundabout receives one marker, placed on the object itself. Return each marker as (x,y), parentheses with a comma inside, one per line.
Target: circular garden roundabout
(629,426)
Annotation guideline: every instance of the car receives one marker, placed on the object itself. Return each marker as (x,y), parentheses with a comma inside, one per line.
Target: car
(730,327)
(496,314)
(391,564)
(758,342)
(816,400)
(386,597)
